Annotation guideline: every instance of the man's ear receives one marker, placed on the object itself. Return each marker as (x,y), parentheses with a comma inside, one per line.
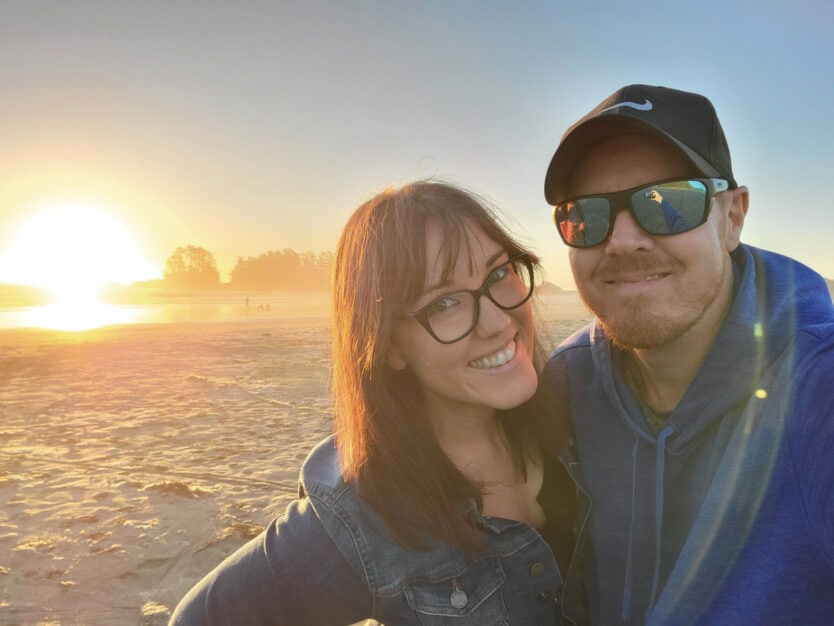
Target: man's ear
(393,357)
(737,211)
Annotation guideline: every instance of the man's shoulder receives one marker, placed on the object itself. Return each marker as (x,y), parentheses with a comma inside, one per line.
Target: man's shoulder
(580,339)
(789,302)
(816,340)
(781,273)
(813,370)
(570,353)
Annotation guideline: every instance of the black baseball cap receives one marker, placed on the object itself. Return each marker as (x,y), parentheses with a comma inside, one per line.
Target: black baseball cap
(685,121)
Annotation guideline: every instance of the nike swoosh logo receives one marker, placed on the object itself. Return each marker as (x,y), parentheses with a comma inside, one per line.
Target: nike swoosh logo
(646,106)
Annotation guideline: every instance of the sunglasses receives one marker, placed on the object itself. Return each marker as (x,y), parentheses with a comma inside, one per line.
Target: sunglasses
(668,207)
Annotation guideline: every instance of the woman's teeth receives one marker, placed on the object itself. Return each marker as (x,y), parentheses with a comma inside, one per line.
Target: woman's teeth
(499,358)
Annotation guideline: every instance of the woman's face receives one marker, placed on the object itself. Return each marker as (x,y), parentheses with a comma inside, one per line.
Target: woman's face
(491,367)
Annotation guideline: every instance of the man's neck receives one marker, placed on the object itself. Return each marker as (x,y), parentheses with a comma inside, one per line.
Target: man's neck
(664,374)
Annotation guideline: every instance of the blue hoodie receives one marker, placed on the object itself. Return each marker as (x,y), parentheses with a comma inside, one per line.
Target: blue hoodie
(727,516)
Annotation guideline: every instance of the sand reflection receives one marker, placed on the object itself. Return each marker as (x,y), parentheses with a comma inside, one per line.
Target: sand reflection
(76,315)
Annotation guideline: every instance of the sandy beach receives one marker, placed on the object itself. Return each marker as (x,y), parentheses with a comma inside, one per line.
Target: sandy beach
(135,458)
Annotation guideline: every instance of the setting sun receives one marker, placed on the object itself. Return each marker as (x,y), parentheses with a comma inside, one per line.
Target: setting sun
(74,251)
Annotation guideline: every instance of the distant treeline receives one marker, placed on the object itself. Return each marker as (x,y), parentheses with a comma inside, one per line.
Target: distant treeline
(193,267)
(283,270)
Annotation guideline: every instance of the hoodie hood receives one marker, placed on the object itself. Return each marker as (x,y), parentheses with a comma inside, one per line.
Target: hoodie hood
(773,296)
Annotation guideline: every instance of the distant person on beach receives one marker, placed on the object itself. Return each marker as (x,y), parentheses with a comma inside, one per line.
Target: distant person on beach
(702,395)
(432,503)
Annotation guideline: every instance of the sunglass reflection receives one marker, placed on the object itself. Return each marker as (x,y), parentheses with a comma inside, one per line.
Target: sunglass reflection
(663,208)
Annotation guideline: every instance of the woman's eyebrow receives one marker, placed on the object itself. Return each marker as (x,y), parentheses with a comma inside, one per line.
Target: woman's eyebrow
(496,256)
(447,283)
(436,287)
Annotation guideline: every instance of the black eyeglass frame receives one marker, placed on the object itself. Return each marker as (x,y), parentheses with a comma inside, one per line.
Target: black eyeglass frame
(620,201)
(422,314)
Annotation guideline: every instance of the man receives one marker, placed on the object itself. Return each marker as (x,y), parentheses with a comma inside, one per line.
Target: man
(570,223)
(701,395)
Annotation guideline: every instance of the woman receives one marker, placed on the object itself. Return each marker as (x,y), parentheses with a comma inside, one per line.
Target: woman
(427,505)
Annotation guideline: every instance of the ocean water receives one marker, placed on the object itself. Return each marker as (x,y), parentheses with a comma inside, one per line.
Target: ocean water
(166,308)
(558,315)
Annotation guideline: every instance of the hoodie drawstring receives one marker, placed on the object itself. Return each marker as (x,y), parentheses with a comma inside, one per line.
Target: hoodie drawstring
(628,587)
(658,508)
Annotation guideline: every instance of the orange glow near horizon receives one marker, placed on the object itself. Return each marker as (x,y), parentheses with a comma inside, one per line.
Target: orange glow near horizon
(73,251)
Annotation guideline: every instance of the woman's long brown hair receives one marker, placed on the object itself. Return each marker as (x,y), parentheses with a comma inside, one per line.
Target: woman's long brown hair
(386,445)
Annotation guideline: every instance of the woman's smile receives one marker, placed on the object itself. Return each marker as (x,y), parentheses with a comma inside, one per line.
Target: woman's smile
(502,357)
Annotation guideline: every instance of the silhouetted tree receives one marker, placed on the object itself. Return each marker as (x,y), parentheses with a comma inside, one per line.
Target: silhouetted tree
(282,270)
(191,267)
(324,269)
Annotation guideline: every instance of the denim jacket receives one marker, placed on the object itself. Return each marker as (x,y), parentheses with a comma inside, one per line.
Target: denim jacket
(331,560)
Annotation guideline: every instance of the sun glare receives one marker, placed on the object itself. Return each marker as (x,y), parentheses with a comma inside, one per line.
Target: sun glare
(78,315)
(74,251)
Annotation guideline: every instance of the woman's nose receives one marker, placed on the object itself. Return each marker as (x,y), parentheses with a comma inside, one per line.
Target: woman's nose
(492,319)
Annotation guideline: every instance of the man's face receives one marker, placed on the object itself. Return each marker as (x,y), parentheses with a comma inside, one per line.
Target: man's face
(650,291)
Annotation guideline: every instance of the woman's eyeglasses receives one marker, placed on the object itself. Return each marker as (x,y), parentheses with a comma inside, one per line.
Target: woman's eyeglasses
(452,316)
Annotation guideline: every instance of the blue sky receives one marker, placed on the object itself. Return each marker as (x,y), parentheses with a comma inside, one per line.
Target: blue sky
(250,126)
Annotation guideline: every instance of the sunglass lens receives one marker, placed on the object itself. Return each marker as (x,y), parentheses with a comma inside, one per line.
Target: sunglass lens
(584,222)
(670,208)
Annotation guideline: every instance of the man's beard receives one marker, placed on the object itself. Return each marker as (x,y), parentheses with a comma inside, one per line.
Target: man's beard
(639,324)
(632,329)
(628,322)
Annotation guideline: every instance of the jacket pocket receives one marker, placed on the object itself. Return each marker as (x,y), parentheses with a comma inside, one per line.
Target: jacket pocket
(470,596)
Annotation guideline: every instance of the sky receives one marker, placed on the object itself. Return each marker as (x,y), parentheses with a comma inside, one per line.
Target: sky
(246,126)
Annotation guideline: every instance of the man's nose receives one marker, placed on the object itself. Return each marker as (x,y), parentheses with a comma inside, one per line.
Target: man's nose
(627,236)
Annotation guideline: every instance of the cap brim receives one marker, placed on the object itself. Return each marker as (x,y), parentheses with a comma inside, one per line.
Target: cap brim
(588,134)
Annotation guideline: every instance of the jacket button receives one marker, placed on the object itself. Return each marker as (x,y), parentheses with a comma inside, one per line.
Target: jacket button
(459,599)
(537,569)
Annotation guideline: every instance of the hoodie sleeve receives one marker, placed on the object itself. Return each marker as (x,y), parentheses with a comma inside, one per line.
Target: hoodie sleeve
(813,442)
